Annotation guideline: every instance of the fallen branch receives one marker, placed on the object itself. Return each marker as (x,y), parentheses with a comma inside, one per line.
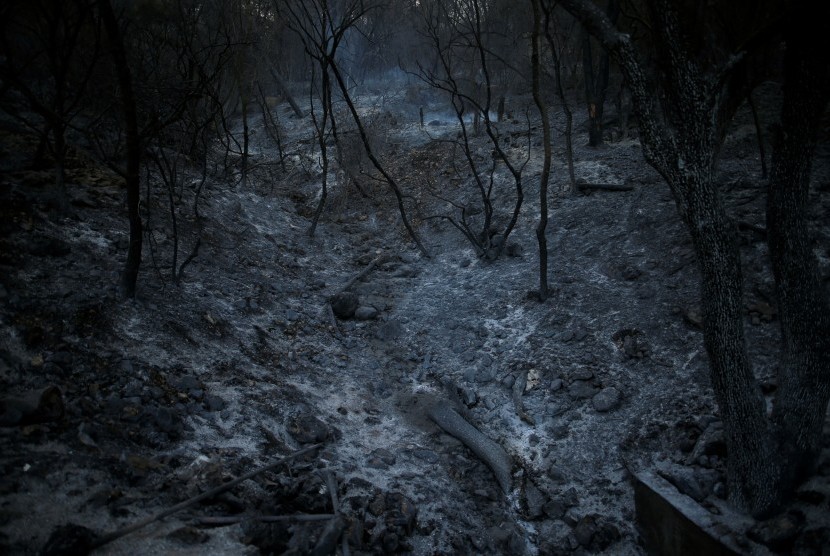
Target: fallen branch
(233,519)
(362,274)
(605,186)
(331,485)
(83,540)
(518,391)
(487,450)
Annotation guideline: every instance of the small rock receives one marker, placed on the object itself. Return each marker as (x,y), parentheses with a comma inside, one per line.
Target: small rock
(186,383)
(468,396)
(426,455)
(308,429)
(630,273)
(585,530)
(583,374)
(381,459)
(554,509)
(214,403)
(344,304)
(595,533)
(694,316)
(515,250)
(406,271)
(606,399)
(366,313)
(535,501)
(581,390)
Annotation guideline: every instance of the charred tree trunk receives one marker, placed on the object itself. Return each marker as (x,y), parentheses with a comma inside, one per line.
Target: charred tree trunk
(119,58)
(803,382)
(545,175)
(560,93)
(596,81)
(245,139)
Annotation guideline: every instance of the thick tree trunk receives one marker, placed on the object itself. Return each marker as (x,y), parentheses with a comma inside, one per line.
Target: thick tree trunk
(753,462)
(803,381)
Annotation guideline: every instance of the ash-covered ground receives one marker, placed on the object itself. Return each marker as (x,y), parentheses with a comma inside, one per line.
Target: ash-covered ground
(242,363)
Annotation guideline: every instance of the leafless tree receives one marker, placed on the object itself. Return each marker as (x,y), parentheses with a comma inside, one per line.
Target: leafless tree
(552,30)
(48,51)
(322,27)
(456,31)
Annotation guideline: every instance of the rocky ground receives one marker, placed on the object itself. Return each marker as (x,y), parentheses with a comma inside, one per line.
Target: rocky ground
(242,363)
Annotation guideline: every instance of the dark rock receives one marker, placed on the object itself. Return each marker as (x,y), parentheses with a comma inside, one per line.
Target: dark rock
(345,304)
(165,420)
(554,509)
(534,500)
(581,389)
(214,403)
(468,396)
(426,455)
(381,459)
(779,533)
(187,383)
(514,250)
(308,429)
(630,273)
(516,544)
(585,530)
(710,443)
(595,533)
(606,399)
(582,374)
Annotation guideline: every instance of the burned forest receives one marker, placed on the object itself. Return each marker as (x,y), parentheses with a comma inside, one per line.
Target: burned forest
(414,277)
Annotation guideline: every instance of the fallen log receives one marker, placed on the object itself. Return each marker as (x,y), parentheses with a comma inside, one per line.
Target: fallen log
(76,539)
(486,449)
(381,257)
(605,187)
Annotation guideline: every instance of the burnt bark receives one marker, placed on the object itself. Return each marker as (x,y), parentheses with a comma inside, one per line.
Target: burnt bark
(544,178)
(129,275)
(596,80)
(803,382)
